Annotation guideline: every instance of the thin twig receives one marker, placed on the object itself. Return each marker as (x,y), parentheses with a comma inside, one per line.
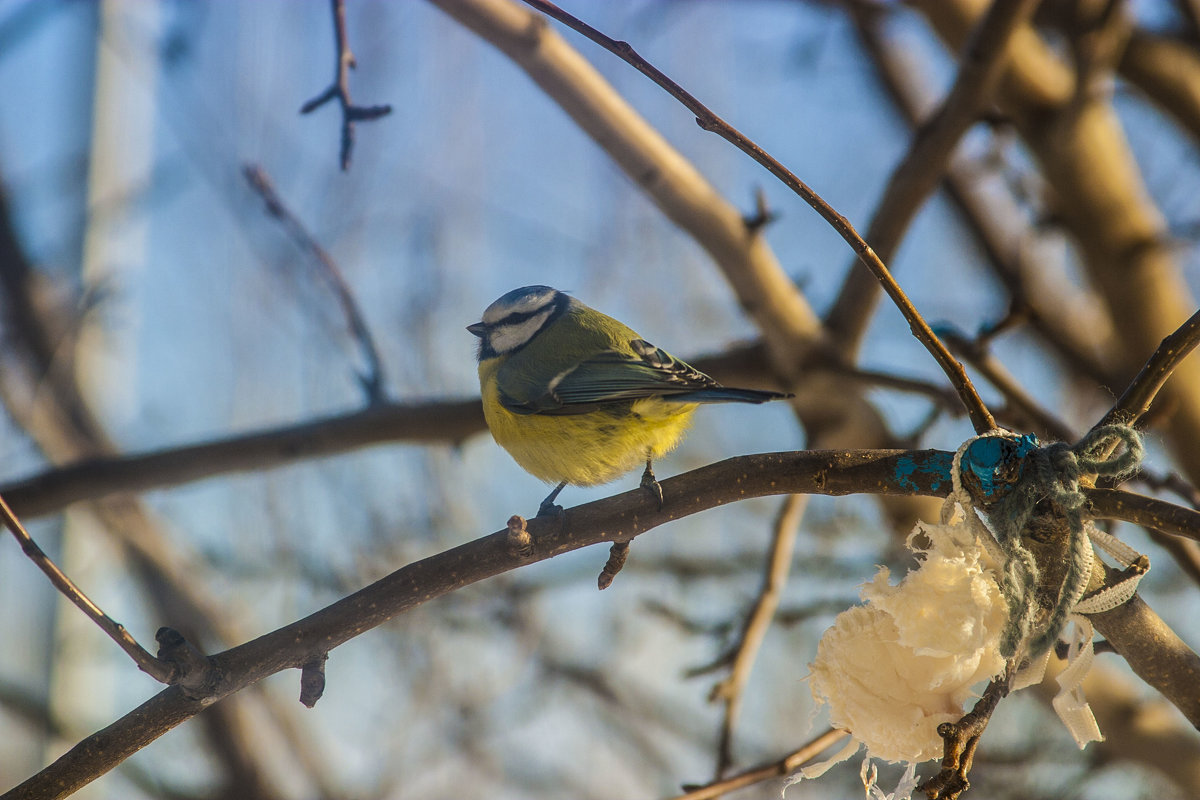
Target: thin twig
(960,741)
(987,365)
(779,563)
(1003,245)
(765,772)
(980,417)
(1136,399)
(261,182)
(340,88)
(146,662)
(924,165)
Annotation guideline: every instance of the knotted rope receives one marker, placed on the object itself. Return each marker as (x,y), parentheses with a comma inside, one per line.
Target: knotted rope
(1051,472)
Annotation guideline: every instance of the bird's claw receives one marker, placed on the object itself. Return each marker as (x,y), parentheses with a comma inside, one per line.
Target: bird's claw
(651,484)
(549,508)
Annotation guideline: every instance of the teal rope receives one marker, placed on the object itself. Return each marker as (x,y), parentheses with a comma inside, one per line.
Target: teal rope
(1053,472)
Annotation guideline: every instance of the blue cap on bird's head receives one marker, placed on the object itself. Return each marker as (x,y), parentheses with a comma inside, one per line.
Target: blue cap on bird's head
(525,300)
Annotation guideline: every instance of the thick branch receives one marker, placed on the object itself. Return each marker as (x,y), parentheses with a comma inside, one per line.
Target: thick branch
(1155,652)
(617,518)
(432,422)
(1168,71)
(1148,512)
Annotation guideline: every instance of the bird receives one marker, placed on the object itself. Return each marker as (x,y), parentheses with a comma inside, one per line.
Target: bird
(578,398)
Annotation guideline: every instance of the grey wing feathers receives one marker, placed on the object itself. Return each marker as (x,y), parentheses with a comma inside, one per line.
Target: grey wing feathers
(614,377)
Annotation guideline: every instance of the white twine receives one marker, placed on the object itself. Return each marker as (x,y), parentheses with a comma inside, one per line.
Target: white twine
(1070,705)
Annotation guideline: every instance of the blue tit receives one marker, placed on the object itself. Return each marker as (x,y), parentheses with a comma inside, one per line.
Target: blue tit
(577,397)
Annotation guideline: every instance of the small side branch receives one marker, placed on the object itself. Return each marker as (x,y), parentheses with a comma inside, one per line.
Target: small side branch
(961,738)
(1136,399)
(765,772)
(340,88)
(160,671)
(729,691)
(261,182)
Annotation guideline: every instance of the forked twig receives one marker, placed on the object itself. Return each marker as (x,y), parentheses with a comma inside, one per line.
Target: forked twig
(980,417)
(340,88)
(960,740)
(160,671)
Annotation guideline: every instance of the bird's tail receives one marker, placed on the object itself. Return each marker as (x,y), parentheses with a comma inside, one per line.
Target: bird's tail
(725,394)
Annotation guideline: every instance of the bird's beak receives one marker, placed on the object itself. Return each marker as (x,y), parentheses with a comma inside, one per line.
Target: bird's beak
(478,329)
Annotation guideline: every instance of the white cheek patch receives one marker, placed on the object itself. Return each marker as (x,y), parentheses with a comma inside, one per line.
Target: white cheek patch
(506,338)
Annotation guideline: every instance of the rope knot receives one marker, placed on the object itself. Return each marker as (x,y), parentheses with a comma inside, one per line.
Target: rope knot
(1011,477)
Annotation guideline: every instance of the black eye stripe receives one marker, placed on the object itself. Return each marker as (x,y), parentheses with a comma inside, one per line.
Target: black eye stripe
(558,306)
(519,317)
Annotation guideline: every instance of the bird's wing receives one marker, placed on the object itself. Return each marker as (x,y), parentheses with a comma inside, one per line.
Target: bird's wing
(613,377)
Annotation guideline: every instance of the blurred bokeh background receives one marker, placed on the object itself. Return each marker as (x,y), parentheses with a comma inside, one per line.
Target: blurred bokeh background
(152,302)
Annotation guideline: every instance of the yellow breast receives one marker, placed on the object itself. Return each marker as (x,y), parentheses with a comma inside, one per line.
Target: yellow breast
(584,449)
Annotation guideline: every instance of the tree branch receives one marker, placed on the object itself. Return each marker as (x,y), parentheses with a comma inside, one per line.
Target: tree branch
(779,563)
(999,229)
(960,739)
(1102,200)
(344,61)
(1137,397)
(924,165)
(261,182)
(1168,72)
(433,421)
(618,518)
(146,662)
(709,121)
(765,772)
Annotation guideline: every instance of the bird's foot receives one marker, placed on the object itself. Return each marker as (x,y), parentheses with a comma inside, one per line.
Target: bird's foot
(549,508)
(651,485)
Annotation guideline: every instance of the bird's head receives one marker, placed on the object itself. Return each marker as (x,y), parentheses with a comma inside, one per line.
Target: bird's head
(516,318)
